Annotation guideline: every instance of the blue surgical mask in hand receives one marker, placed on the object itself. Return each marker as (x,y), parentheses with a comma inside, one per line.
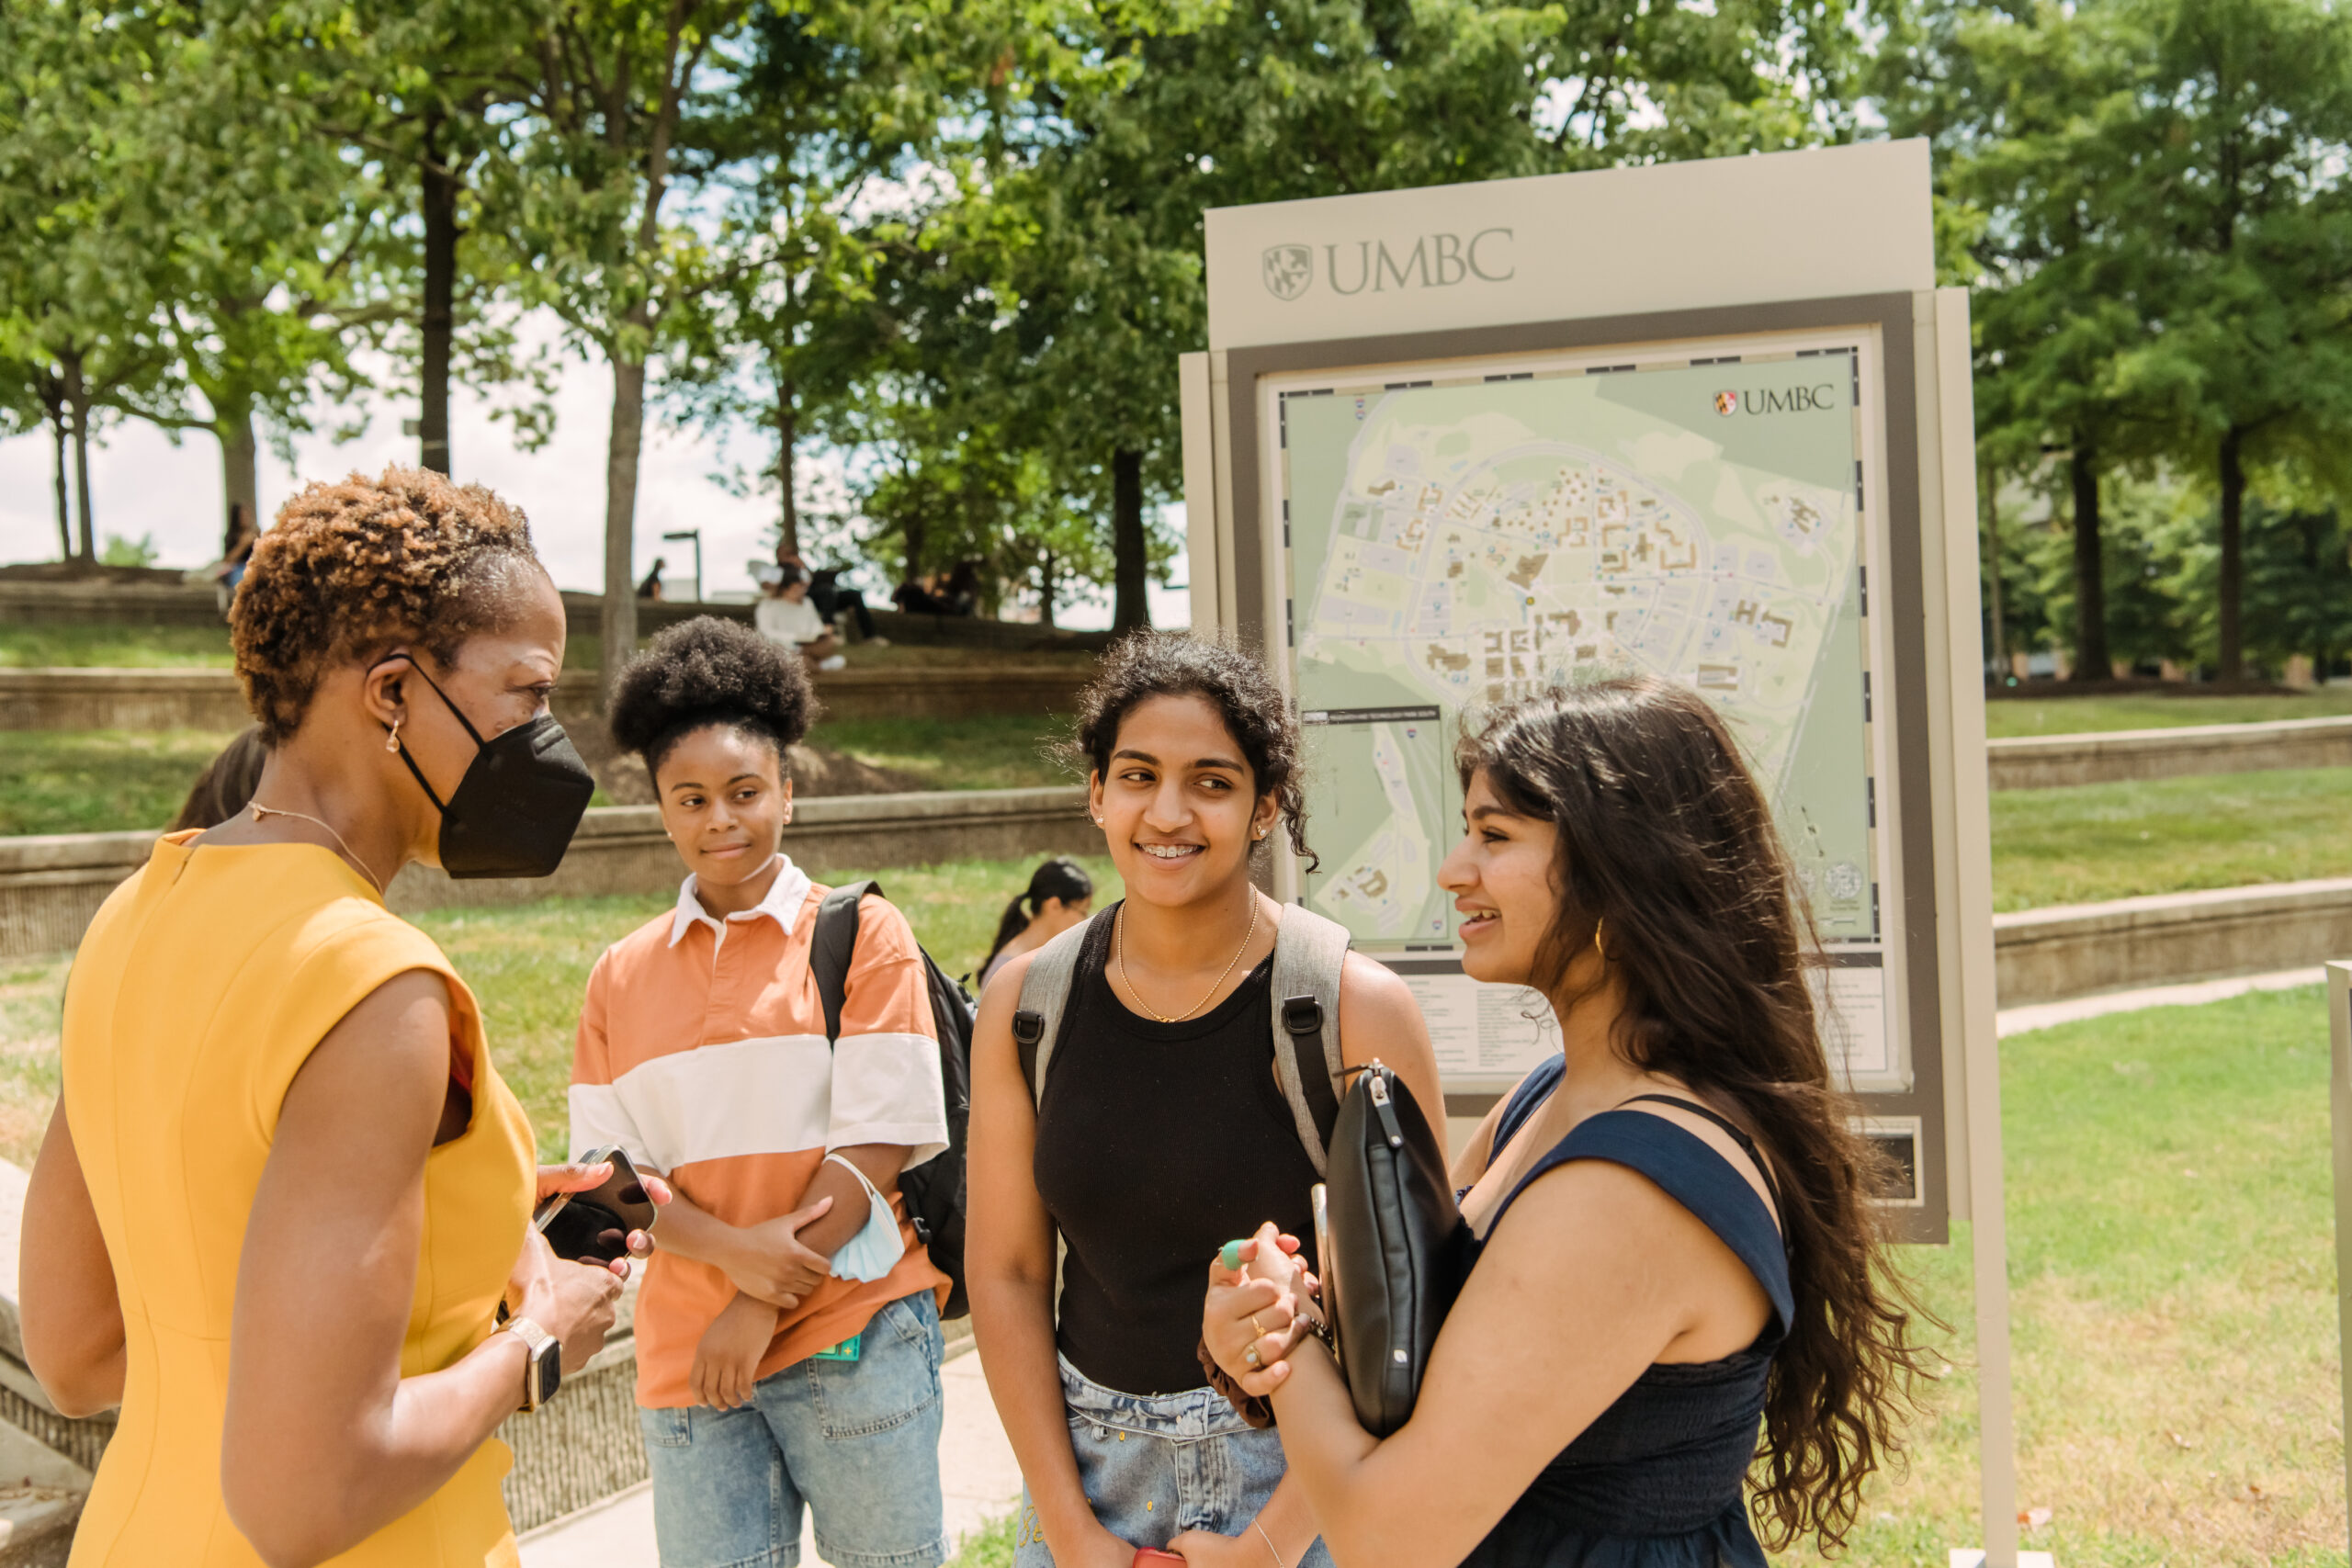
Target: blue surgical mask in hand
(876,1249)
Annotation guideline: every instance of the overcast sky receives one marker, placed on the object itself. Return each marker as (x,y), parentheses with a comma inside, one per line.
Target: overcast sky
(143,484)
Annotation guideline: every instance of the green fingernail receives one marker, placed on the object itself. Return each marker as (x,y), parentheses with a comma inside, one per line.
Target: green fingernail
(1230,1255)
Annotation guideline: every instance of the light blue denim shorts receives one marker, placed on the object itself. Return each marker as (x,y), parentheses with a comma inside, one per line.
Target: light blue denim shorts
(857,1442)
(1155,1467)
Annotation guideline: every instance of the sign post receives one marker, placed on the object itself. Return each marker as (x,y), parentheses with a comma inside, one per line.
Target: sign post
(1709,421)
(2339,1105)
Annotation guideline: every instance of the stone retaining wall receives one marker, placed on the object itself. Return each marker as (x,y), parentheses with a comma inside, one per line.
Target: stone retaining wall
(51,886)
(2043,956)
(212,699)
(2050,761)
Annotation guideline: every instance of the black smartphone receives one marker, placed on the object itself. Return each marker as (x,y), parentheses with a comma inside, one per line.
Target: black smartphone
(593,1226)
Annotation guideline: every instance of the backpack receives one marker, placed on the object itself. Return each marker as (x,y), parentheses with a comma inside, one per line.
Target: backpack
(1309,953)
(933,1191)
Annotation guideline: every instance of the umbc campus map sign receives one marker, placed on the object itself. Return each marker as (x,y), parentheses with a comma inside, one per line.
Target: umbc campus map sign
(1708,421)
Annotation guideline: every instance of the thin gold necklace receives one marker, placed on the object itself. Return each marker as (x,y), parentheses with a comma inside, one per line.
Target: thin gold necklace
(260,811)
(1119,951)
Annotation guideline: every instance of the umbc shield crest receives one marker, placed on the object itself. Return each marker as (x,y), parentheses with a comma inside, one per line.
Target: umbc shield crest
(1288,269)
(1726,402)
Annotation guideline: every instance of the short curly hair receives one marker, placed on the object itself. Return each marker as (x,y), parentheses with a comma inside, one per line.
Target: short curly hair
(706,672)
(1149,664)
(366,564)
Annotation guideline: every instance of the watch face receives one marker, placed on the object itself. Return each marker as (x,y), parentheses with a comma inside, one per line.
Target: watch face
(546,1369)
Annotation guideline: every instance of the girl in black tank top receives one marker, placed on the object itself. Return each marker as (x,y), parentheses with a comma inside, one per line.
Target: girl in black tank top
(1161,1132)
(1202,1142)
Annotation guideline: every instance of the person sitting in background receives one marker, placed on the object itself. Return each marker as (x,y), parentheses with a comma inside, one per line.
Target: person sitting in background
(1060,895)
(831,597)
(225,785)
(652,587)
(236,549)
(827,592)
(915,597)
(784,616)
(961,591)
(787,1337)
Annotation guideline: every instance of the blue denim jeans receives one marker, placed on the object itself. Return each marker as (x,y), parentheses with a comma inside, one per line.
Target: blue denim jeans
(856,1442)
(1155,1467)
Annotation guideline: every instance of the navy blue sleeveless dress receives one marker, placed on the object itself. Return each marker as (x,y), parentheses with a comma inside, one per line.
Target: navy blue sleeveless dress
(1657,1480)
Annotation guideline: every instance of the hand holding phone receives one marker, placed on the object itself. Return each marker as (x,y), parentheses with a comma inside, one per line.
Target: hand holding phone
(593,1226)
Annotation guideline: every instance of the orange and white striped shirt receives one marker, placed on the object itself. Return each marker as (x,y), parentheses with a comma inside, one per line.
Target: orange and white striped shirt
(701,1052)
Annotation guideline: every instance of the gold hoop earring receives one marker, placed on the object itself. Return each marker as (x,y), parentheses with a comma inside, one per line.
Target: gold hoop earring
(392,740)
(1597,926)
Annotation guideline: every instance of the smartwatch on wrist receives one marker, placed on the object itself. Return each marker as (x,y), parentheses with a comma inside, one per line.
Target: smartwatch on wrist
(542,1373)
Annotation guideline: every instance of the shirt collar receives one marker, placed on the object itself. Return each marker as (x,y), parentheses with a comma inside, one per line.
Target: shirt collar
(782,905)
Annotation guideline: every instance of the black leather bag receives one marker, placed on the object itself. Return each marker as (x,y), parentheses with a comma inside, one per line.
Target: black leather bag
(1392,1244)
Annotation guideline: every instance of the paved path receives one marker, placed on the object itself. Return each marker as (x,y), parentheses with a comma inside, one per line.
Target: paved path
(975,1462)
(975,1471)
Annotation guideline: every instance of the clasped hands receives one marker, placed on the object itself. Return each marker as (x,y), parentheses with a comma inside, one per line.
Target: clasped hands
(1257,1312)
(771,1272)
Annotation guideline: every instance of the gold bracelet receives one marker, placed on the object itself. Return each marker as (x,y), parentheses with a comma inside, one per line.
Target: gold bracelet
(1270,1544)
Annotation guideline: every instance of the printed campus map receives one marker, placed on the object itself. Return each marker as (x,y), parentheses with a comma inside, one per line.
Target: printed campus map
(1455,545)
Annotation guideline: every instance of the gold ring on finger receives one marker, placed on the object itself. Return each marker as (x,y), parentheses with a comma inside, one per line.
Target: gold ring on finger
(1256,1325)
(1250,1353)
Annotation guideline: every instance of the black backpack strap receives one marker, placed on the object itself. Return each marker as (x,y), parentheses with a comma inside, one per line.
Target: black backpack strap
(830,945)
(1310,955)
(1302,1038)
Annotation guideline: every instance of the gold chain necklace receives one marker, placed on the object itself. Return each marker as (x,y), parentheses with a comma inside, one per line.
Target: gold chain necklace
(260,811)
(1119,951)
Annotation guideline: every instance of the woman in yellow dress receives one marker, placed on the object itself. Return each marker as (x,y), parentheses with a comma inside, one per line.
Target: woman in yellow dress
(285,1191)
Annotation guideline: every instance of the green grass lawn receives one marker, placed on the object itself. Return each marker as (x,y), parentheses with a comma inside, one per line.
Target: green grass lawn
(115,648)
(2173,1275)
(986,751)
(2098,841)
(2078,716)
(95,781)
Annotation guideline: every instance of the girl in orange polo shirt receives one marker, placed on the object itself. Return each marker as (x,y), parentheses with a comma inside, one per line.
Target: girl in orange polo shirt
(787,1335)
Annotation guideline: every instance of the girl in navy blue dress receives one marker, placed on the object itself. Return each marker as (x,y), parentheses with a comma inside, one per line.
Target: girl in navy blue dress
(1677,1251)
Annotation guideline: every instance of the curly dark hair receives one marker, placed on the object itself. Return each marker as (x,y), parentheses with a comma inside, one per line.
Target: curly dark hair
(1666,840)
(706,672)
(1149,664)
(353,567)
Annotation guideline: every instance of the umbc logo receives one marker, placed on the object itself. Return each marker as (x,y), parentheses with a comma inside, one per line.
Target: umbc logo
(1288,269)
(1778,400)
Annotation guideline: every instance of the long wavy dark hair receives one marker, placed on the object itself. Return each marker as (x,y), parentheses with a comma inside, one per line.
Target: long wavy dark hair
(1666,839)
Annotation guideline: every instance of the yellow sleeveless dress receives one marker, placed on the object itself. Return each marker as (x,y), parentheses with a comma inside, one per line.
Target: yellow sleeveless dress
(199,990)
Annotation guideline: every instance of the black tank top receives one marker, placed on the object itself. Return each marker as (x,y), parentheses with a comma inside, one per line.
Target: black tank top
(1157,1143)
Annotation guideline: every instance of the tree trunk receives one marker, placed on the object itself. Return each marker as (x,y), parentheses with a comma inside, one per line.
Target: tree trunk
(787,443)
(1045,585)
(620,620)
(1993,575)
(438,326)
(240,461)
(2090,583)
(56,411)
(1129,609)
(2231,587)
(77,403)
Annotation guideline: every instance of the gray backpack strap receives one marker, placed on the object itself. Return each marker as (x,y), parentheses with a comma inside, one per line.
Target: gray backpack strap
(1309,954)
(1045,993)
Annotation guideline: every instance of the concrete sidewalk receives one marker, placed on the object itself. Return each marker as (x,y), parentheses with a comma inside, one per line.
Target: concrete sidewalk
(976,1471)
